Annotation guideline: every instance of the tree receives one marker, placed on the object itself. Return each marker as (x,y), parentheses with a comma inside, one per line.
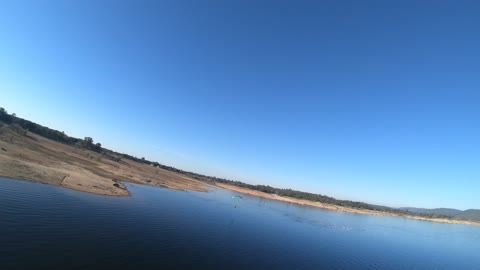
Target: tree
(5,117)
(88,142)
(97,147)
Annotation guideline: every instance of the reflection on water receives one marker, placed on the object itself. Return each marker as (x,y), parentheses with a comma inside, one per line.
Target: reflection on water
(45,227)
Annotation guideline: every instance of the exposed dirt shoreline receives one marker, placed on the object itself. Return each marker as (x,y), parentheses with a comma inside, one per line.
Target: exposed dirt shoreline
(336,207)
(35,158)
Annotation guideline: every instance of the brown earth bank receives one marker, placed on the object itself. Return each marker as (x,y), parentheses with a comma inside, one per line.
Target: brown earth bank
(32,157)
(336,207)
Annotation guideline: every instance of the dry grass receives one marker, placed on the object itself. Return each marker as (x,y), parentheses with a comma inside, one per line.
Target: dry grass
(35,158)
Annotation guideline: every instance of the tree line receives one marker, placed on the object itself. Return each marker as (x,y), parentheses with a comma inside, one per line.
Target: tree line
(23,126)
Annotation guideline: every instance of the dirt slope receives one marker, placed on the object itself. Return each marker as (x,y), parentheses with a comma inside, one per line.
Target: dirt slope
(32,157)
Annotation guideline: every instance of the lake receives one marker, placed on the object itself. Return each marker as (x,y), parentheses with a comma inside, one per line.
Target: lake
(48,227)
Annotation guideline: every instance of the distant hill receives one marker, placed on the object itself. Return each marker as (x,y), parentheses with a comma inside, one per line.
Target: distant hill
(440,211)
(470,214)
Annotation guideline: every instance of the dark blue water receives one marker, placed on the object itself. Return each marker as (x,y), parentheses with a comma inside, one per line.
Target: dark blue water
(47,227)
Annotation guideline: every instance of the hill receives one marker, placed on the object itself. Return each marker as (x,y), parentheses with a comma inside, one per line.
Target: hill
(34,152)
(470,215)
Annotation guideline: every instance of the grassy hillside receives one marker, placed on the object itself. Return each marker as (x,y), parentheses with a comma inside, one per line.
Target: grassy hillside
(60,160)
(35,152)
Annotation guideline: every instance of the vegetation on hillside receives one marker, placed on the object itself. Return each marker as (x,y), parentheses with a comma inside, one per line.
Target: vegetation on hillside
(24,126)
(470,214)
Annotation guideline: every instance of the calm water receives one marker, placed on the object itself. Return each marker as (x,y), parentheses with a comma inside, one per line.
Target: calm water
(47,227)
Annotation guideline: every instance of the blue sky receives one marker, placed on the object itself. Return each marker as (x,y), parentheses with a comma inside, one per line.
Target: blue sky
(366,100)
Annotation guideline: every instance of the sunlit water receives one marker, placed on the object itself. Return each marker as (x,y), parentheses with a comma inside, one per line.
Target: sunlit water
(47,227)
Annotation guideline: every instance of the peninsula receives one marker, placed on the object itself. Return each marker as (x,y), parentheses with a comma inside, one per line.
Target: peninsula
(33,152)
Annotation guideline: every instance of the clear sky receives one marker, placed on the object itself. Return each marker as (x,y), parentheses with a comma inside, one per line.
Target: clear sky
(377,101)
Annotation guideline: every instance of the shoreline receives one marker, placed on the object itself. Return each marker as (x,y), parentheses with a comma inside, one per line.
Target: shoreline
(256,193)
(35,158)
(333,207)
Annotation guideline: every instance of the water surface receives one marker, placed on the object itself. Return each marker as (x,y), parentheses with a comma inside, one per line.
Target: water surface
(48,227)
